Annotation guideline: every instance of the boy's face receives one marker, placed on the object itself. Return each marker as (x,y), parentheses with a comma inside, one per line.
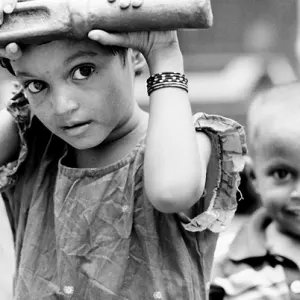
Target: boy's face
(78,90)
(277,170)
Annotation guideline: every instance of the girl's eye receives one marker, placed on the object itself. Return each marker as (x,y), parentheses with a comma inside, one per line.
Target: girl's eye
(83,72)
(35,87)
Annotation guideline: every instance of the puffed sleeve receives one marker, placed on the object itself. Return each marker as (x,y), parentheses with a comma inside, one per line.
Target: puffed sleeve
(217,206)
(18,106)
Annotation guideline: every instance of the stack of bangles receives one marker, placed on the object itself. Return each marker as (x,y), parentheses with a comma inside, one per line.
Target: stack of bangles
(166,79)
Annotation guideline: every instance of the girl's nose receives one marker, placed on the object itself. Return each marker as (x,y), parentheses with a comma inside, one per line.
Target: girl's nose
(64,103)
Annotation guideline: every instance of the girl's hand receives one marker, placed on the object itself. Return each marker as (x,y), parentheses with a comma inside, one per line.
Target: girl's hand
(7,6)
(146,42)
(11,51)
(158,47)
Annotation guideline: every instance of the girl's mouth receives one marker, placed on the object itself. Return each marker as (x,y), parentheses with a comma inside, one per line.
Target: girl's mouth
(76,129)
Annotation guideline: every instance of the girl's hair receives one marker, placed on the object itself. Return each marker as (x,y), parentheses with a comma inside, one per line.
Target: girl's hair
(114,50)
(5,62)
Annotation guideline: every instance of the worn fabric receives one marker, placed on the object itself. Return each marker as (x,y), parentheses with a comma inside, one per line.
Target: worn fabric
(93,234)
(6,256)
(257,265)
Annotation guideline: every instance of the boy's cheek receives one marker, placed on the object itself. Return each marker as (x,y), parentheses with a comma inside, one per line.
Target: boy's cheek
(274,198)
(260,183)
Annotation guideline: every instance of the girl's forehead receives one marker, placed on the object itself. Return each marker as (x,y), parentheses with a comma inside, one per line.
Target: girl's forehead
(65,47)
(59,53)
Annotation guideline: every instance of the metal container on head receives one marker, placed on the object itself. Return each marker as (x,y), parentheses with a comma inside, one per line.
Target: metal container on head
(37,21)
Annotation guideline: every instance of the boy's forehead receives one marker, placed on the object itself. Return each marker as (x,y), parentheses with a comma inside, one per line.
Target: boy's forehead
(274,113)
(278,137)
(278,98)
(279,120)
(275,108)
(276,125)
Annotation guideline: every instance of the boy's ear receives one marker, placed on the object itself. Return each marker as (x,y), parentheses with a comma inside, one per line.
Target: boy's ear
(138,62)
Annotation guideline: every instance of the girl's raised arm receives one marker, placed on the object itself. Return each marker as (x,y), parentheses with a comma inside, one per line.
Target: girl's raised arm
(9,138)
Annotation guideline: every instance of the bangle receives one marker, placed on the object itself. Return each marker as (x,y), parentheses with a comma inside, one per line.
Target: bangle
(166,79)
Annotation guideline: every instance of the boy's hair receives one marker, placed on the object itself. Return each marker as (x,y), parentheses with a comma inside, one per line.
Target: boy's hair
(268,104)
(114,50)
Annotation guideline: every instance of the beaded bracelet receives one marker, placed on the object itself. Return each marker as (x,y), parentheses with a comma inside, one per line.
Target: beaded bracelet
(166,79)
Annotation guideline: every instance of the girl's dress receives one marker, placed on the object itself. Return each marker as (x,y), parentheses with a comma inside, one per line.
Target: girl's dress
(92,233)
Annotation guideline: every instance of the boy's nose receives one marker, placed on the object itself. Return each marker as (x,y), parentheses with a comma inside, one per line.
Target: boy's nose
(64,103)
(295,194)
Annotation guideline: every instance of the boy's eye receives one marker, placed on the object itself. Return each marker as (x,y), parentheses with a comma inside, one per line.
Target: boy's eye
(83,72)
(35,87)
(281,174)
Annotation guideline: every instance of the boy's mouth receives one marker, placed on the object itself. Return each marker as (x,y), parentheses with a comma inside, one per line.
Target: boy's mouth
(76,128)
(293,211)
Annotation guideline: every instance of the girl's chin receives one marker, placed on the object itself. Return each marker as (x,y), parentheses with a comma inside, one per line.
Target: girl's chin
(83,144)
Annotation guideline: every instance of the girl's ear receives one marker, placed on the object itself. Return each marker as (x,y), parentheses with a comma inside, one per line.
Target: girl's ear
(138,62)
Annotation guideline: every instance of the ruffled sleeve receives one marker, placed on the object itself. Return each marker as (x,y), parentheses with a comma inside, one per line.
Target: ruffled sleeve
(18,106)
(227,160)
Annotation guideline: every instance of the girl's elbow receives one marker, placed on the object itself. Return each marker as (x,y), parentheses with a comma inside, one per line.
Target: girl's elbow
(175,199)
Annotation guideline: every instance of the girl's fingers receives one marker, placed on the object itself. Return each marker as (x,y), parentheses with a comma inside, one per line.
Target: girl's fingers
(12,48)
(6,52)
(3,53)
(124,3)
(1,12)
(13,51)
(136,3)
(6,6)
(111,39)
(9,6)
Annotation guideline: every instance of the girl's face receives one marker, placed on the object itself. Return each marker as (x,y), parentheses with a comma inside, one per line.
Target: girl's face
(78,90)
(277,170)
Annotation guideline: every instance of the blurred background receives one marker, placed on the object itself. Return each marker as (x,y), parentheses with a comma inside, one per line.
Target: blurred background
(252,45)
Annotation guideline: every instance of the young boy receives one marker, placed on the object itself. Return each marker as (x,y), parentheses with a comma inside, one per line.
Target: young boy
(263,260)
(106,202)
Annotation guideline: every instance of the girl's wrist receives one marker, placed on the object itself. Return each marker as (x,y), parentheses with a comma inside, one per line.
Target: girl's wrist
(165,59)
